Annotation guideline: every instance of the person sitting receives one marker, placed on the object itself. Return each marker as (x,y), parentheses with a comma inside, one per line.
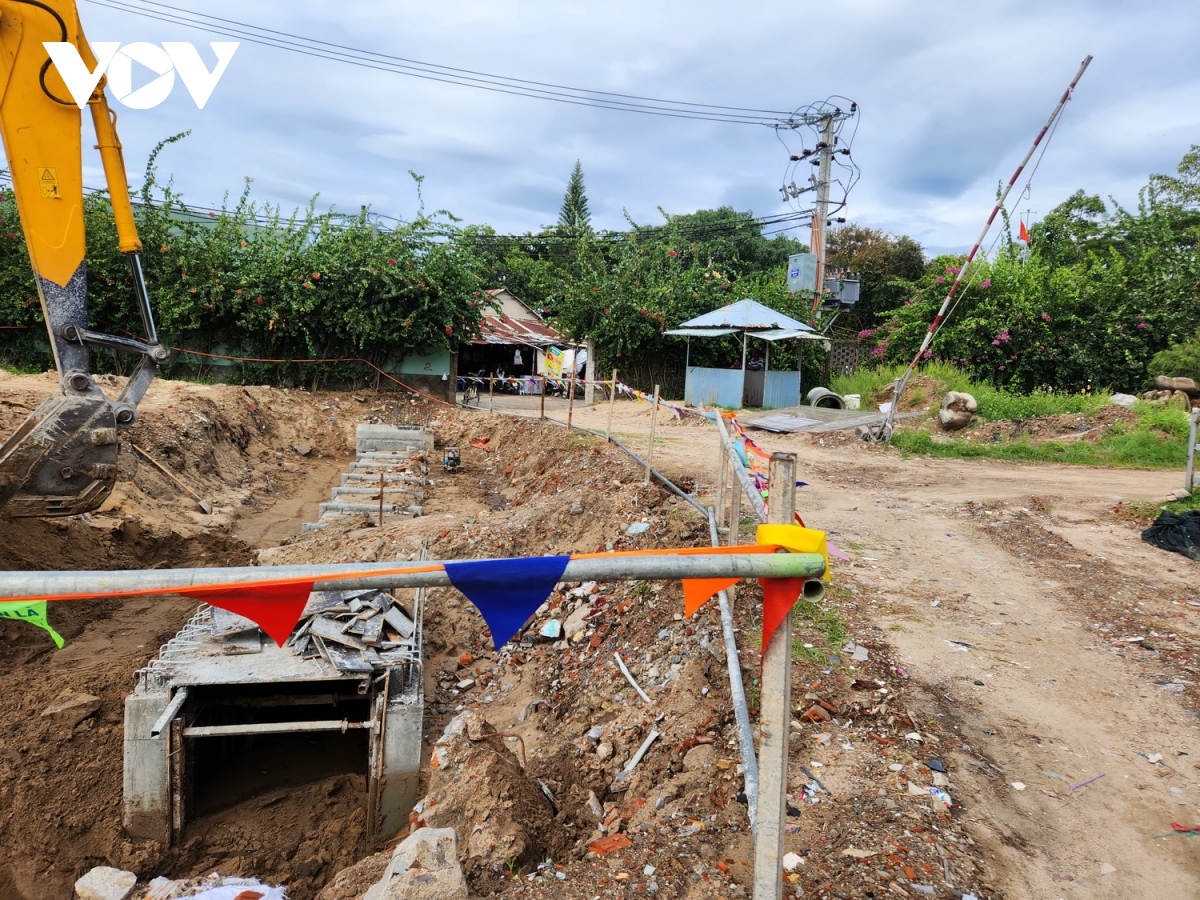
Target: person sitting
(756,362)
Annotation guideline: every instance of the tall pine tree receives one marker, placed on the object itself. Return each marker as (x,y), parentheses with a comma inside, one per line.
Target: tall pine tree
(574,216)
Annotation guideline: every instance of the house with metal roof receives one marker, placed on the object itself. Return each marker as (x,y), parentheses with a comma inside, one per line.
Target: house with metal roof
(513,340)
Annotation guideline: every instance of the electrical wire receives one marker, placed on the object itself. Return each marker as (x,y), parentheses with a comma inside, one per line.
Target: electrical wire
(451,75)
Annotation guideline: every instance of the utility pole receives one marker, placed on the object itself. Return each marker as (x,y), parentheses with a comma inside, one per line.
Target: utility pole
(825,149)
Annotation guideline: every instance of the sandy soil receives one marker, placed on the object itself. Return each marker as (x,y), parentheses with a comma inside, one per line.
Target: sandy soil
(1034,567)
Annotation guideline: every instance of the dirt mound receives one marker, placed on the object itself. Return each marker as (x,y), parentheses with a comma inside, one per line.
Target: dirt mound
(477,786)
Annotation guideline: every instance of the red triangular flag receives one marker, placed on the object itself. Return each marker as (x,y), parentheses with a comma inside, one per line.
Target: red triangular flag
(779,596)
(276,608)
(1024,233)
(697,591)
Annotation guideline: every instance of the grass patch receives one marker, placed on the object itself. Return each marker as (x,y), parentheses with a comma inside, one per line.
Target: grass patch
(824,620)
(1158,440)
(1150,510)
(994,403)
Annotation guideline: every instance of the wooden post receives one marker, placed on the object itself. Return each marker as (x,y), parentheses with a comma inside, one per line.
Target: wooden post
(543,415)
(612,399)
(571,389)
(653,423)
(774,720)
(491,392)
(380,499)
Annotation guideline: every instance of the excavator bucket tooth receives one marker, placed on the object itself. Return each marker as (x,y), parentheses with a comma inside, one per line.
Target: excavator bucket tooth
(62,461)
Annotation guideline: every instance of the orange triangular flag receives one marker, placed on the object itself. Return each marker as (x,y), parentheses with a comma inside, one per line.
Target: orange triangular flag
(1024,233)
(697,591)
(779,596)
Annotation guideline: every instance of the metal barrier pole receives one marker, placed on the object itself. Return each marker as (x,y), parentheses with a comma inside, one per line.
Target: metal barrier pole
(361,576)
(722,477)
(491,391)
(774,718)
(756,501)
(737,691)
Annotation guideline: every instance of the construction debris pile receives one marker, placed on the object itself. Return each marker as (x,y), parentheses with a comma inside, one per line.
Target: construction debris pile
(357,631)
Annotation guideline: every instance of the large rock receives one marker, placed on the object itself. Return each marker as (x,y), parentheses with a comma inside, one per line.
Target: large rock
(424,866)
(957,410)
(478,787)
(72,707)
(1187,385)
(1125,400)
(105,883)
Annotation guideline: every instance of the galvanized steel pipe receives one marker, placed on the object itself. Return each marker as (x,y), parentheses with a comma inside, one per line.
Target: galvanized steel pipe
(337,576)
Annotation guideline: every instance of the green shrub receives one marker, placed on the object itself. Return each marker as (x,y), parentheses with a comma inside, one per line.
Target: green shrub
(1182,359)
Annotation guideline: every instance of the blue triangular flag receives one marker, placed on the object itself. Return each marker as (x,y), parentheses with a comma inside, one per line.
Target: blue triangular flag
(507,591)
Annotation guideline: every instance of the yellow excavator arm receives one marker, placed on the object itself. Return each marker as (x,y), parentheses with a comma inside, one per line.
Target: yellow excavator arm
(63,459)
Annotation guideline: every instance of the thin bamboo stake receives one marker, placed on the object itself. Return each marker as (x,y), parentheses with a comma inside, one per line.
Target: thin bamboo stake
(491,391)
(653,423)
(612,399)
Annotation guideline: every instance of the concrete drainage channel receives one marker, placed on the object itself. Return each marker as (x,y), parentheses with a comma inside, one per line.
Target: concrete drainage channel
(223,706)
(388,457)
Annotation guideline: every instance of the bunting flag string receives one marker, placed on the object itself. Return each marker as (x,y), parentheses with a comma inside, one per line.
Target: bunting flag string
(779,596)
(32,612)
(507,592)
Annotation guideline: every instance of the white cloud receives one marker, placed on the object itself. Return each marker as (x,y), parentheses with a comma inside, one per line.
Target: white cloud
(951,93)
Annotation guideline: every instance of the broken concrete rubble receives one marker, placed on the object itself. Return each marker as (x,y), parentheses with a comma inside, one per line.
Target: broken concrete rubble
(105,883)
(478,788)
(424,866)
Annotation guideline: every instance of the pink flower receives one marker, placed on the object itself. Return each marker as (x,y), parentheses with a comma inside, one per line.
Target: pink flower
(941,279)
(952,270)
(995,343)
(1002,368)
(1045,317)
(391,262)
(259,300)
(1142,325)
(986,283)
(449,330)
(672,253)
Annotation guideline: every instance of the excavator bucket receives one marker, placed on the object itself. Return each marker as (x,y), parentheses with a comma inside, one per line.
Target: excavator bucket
(62,461)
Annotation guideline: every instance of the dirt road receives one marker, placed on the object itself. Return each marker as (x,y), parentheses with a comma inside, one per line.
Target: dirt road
(1029,566)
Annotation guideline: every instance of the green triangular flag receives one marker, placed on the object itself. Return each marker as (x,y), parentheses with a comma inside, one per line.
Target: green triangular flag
(33,613)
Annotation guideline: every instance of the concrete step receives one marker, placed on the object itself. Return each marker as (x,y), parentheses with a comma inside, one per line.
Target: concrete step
(395,494)
(378,467)
(353,479)
(390,437)
(340,508)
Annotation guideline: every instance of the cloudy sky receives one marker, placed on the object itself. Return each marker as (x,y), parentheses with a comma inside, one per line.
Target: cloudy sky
(951,94)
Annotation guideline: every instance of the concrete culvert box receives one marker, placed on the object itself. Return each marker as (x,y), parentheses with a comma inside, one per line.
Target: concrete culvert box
(223,714)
